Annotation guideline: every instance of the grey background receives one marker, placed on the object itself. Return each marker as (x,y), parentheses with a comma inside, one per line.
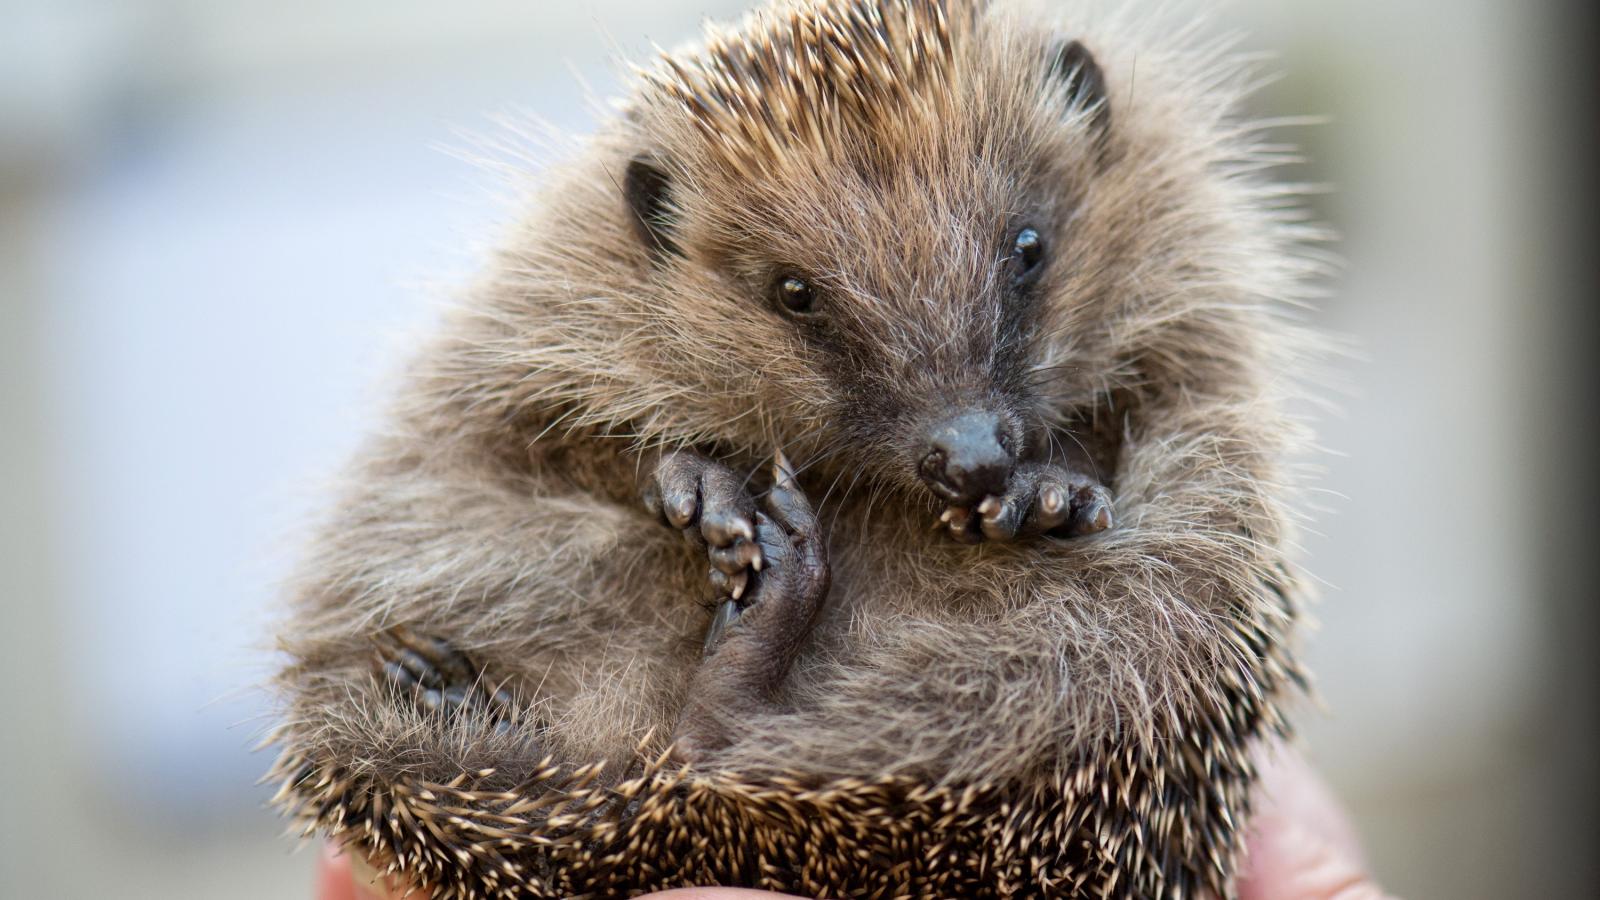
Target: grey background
(219,218)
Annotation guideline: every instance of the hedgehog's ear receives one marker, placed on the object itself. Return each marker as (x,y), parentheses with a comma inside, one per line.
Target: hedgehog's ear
(647,189)
(1085,83)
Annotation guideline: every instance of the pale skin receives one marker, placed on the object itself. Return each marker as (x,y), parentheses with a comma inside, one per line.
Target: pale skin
(1301,847)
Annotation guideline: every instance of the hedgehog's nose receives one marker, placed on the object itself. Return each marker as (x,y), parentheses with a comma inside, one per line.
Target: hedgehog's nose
(968,457)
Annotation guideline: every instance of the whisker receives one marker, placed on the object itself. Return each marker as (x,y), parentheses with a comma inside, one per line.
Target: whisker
(845,497)
(829,492)
(828,451)
(1086,454)
(1052,444)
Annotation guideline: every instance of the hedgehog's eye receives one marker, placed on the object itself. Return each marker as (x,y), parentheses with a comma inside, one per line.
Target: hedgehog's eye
(1026,253)
(794,294)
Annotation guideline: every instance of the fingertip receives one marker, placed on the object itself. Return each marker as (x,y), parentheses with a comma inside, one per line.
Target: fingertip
(1290,789)
(334,881)
(717,894)
(342,875)
(1302,845)
(1286,861)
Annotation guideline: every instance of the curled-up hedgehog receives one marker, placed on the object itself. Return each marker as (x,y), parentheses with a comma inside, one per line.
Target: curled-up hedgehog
(863,472)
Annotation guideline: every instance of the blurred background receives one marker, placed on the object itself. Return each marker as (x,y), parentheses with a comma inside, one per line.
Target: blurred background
(216,216)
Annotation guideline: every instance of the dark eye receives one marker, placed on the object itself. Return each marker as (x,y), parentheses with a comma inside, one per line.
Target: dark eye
(795,294)
(1028,251)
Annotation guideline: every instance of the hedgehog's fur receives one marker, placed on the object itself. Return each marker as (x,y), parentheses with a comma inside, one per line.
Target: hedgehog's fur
(1042,717)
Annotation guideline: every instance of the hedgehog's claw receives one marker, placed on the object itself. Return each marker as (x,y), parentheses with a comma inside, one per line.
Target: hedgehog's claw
(430,655)
(400,675)
(442,679)
(1040,498)
(709,502)
(421,671)
(1091,510)
(999,518)
(734,558)
(726,586)
(727,612)
(961,524)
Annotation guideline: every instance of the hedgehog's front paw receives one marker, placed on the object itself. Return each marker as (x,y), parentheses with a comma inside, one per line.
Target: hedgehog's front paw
(750,645)
(440,677)
(709,502)
(1040,498)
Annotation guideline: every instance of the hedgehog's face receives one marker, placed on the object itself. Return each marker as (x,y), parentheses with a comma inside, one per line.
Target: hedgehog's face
(890,285)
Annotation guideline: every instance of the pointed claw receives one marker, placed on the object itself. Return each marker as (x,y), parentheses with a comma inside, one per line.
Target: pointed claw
(441,678)
(786,503)
(782,471)
(399,674)
(1002,521)
(740,581)
(420,668)
(721,524)
(960,526)
(726,613)
(989,508)
(748,553)
(729,559)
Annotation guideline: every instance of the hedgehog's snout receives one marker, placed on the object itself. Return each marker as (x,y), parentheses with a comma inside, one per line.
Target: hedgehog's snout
(968,456)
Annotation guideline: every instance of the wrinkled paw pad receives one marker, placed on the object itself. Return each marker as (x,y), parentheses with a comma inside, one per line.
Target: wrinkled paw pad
(442,679)
(711,505)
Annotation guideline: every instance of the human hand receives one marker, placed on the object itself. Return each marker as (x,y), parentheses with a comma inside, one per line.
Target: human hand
(1301,846)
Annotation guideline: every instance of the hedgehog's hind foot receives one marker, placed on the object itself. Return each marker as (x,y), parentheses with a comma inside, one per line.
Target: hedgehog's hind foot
(751,644)
(441,678)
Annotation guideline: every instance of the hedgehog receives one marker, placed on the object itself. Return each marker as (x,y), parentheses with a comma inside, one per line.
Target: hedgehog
(867,469)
